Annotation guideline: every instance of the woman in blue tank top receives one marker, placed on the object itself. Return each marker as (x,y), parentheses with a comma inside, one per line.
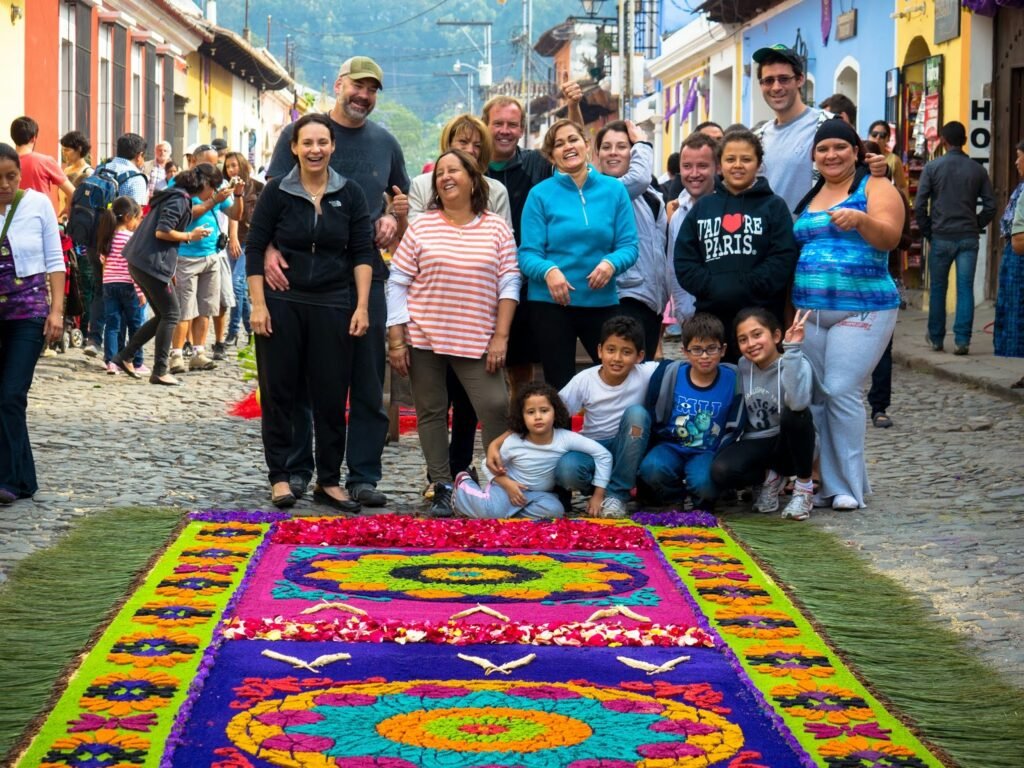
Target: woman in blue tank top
(846,226)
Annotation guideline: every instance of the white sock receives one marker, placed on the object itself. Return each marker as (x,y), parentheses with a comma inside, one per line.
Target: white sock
(175,353)
(771,477)
(198,349)
(803,487)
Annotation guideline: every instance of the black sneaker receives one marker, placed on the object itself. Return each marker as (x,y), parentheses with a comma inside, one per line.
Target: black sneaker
(442,504)
(219,351)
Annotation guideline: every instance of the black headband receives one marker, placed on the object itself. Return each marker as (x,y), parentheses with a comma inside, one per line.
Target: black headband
(837,128)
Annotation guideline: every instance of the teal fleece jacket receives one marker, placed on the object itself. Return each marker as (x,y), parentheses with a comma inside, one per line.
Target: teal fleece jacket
(574,229)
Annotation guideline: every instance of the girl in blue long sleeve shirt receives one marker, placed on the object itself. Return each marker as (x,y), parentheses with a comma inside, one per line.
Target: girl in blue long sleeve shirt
(578,233)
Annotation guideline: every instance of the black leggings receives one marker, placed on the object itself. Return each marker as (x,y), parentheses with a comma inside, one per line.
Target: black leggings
(310,351)
(555,330)
(164,302)
(791,452)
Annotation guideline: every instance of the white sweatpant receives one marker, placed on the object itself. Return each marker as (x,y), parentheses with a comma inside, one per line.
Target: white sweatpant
(843,348)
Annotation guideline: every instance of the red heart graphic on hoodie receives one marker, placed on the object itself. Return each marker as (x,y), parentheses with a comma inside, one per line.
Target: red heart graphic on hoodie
(732,222)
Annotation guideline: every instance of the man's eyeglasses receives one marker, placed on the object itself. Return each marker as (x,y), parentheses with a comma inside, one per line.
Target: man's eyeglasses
(710,351)
(879,135)
(782,80)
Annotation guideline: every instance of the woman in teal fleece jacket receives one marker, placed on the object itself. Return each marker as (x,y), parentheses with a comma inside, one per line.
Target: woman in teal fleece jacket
(578,233)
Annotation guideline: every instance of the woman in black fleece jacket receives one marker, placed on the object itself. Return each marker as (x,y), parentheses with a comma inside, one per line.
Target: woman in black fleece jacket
(736,247)
(320,222)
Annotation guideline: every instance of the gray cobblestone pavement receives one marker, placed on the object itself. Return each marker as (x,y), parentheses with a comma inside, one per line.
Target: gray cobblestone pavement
(946,521)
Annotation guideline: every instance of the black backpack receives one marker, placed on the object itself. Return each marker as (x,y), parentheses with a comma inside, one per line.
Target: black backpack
(92,195)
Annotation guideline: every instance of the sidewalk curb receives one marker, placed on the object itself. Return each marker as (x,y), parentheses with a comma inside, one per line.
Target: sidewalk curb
(918,363)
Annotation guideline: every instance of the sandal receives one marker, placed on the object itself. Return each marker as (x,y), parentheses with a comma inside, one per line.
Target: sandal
(881,420)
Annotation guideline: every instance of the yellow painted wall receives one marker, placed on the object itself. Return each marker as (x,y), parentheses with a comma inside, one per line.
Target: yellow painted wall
(211,101)
(956,77)
(12,88)
(955,53)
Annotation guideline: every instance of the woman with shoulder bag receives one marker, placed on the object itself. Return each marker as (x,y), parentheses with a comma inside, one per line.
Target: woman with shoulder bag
(31,261)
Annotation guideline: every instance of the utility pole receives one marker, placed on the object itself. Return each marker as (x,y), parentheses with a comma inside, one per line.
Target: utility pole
(626,45)
(527,46)
(246,32)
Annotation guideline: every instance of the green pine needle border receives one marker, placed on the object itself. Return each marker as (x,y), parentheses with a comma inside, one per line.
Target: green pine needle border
(891,641)
(57,599)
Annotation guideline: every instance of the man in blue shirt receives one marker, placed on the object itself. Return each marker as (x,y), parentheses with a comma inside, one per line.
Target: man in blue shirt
(198,272)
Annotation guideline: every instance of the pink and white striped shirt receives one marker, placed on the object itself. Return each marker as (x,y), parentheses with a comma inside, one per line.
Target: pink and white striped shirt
(115,268)
(446,282)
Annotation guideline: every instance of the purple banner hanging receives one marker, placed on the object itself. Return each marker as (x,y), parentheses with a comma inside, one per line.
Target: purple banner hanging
(691,101)
(826,20)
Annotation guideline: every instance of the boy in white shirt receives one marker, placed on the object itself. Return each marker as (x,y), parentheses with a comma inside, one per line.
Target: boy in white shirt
(611,396)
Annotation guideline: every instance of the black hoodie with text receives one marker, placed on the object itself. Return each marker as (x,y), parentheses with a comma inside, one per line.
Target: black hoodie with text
(736,251)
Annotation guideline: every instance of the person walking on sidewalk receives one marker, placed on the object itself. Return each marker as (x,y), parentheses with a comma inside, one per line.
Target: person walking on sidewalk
(1009,329)
(946,208)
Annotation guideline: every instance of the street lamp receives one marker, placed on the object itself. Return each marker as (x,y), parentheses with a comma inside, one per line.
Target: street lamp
(592,8)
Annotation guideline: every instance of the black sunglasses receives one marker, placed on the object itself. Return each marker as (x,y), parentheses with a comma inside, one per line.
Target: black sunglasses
(879,135)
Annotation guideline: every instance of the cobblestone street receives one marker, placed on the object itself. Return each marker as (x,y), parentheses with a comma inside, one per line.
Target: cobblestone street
(946,521)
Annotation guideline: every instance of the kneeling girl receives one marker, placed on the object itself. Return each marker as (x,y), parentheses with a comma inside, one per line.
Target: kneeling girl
(542,435)
(778,439)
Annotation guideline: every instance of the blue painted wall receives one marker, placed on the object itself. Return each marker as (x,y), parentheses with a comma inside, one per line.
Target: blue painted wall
(872,47)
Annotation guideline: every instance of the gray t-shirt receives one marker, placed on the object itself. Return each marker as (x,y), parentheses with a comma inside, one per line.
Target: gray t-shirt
(787,156)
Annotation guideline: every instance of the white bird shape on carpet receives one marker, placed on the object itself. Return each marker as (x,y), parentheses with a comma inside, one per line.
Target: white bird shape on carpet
(479,609)
(618,610)
(326,606)
(653,669)
(312,666)
(505,669)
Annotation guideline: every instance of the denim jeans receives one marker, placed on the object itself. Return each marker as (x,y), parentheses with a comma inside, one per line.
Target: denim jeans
(942,256)
(120,313)
(667,474)
(240,312)
(575,470)
(21,341)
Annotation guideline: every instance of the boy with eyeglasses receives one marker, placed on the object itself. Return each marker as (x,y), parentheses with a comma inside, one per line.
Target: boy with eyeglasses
(696,409)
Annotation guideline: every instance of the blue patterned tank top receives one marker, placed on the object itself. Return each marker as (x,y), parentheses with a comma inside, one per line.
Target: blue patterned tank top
(839,270)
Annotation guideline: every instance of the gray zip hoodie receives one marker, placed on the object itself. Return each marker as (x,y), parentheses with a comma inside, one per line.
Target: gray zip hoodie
(789,380)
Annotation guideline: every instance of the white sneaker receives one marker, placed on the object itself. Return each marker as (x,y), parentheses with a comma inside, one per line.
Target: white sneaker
(844,503)
(768,496)
(799,506)
(90,350)
(612,508)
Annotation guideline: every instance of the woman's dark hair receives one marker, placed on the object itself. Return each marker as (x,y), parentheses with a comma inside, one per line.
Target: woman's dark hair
(7,152)
(123,209)
(549,138)
(312,117)
(516,422)
(478,191)
(244,169)
(744,136)
(1020,147)
(77,141)
(618,126)
(763,316)
(170,164)
(194,179)
(882,123)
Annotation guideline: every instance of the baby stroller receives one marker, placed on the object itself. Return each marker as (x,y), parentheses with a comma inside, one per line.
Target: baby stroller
(73,307)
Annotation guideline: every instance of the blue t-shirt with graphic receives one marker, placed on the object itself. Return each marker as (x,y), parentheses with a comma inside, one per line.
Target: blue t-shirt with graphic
(699,414)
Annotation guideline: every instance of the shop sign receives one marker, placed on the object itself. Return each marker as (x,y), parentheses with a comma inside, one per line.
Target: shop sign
(947,20)
(846,27)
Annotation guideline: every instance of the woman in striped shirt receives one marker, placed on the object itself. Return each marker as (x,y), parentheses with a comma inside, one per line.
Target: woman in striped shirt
(452,293)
